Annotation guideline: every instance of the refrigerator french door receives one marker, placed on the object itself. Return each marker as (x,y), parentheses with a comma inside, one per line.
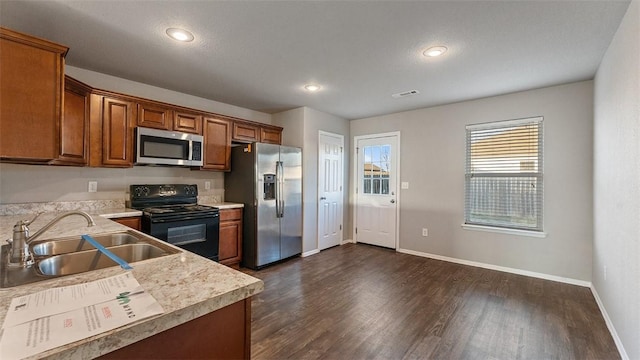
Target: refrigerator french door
(267,179)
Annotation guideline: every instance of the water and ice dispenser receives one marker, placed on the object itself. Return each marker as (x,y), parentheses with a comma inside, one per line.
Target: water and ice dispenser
(269,186)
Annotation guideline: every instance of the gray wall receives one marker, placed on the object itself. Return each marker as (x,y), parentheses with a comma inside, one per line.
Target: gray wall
(302,128)
(617,182)
(432,155)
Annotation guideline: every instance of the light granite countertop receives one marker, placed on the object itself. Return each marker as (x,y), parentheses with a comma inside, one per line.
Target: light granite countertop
(186,285)
(225,205)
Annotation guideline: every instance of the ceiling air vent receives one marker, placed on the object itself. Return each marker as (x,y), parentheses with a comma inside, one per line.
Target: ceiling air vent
(405,93)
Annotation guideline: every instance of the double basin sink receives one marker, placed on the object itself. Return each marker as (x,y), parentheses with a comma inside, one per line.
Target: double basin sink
(74,255)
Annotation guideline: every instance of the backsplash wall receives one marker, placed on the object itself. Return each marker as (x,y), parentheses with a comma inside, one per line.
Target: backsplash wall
(40,183)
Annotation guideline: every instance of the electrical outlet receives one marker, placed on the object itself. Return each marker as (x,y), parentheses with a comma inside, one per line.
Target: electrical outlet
(207,185)
(425,232)
(605,272)
(93,186)
(404,185)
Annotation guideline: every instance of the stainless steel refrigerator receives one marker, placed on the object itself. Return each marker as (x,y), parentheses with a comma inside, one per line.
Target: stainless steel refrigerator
(267,179)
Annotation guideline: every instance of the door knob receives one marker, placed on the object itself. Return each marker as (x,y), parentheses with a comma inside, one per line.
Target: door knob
(323,198)
(393,201)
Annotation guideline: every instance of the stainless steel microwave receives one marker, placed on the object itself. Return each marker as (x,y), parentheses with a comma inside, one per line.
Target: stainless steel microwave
(160,147)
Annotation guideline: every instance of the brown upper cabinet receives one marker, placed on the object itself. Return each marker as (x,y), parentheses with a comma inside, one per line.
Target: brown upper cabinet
(49,119)
(152,115)
(271,135)
(166,117)
(74,128)
(249,132)
(112,122)
(32,74)
(217,144)
(189,122)
(245,132)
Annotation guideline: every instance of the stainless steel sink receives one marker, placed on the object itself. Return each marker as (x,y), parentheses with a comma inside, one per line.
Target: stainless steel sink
(83,261)
(74,244)
(72,255)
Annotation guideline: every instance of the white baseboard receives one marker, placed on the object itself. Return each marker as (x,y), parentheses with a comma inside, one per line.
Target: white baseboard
(310,252)
(347,241)
(499,268)
(612,329)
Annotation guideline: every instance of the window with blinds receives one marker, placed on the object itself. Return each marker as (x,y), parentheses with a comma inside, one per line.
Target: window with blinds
(503,177)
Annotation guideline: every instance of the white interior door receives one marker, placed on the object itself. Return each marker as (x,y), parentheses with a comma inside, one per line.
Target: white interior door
(376,190)
(330,193)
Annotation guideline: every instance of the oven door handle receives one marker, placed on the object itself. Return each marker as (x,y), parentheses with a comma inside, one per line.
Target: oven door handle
(184,217)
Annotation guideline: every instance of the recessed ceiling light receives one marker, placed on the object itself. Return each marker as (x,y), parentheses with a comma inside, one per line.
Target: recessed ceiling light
(435,51)
(180,34)
(312,87)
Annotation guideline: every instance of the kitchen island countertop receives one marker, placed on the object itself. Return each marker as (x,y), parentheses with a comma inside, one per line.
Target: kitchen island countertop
(186,285)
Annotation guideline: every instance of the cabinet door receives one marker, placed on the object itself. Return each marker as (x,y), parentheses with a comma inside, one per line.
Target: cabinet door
(230,236)
(245,132)
(187,122)
(217,144)
(74,127)
(31,86)
(270,135)
(118,117)
(154,116)
(133,222)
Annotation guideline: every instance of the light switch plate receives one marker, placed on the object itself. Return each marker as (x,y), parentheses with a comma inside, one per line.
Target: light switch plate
(404,185)
(207,185)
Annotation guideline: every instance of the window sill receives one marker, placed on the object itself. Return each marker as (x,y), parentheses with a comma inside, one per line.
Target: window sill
(537,234)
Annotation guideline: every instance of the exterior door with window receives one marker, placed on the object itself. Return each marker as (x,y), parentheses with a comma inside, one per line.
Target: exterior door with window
(330,193)
(376,191)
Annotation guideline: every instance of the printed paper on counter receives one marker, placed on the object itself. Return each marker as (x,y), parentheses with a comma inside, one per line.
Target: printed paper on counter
(62,299)
(49,332)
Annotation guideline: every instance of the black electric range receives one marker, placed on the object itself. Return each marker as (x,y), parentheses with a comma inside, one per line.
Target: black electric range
(171,213)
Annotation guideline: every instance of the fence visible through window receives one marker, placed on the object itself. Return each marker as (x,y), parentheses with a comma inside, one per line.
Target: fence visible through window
(376,169)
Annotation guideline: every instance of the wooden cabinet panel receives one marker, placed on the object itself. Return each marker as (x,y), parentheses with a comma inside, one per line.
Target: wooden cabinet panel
(118,117)
(217,144)
(74,128)
(245,132)
(222,334)
(230,236)
(31,87)
(187,122)
(271,135)
(154,116)
(133,222)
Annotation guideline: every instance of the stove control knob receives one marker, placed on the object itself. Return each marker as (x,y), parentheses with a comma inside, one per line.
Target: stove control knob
(145,191)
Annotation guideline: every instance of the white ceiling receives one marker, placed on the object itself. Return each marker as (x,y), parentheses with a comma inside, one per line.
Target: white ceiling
(259,54)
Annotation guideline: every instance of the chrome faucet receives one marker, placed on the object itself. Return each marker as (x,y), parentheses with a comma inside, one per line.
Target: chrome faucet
(20,256)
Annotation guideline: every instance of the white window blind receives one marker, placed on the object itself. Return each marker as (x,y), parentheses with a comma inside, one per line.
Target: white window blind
(503,178)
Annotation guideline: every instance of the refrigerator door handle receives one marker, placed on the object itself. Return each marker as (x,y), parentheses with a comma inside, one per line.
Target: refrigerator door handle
(279,190)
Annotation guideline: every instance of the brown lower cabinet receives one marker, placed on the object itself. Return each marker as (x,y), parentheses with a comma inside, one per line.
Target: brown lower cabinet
(132,222)
(222,334)
(230,237)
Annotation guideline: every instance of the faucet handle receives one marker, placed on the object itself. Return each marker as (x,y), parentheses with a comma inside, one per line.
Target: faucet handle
(22,223)
(27,222)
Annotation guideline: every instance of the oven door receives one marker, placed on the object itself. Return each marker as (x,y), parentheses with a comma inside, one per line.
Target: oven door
(196,234)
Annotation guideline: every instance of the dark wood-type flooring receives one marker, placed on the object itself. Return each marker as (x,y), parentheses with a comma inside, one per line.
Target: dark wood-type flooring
(362,302)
